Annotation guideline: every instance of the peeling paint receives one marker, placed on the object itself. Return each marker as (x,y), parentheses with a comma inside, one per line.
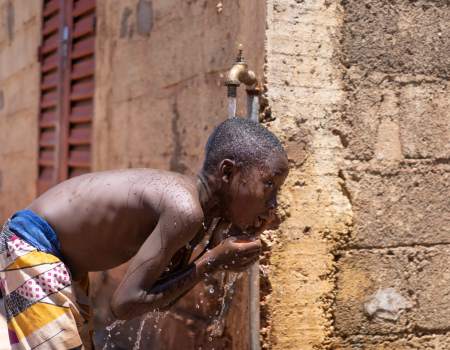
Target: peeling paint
(175,161)
(2,100)
(124,22)
(10,16)
(144,17)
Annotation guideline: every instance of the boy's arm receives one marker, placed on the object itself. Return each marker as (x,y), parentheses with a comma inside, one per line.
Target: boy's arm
(137,293)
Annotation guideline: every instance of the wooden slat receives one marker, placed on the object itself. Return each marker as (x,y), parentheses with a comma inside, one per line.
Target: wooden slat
(83,48)
(49,81)
(83,27)
(82,6)
(78,171)
(80,134)
(81,110)
(49,63)
(83,69)
(50,26)
(50,44)
(80,157)
(50,8)
(47,119)
(47,137)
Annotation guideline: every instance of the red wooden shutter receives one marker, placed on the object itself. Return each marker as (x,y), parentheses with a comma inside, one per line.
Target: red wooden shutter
(80,87)
(67,90)
(50,58)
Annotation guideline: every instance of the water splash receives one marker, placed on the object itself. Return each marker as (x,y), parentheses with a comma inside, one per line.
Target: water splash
(109,330)
(137,343)
(218,323)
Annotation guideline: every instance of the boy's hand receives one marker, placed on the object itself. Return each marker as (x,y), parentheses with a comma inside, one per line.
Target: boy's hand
(235,253)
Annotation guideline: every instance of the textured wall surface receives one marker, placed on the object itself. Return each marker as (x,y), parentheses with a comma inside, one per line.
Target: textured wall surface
(305,92)
(20,27)
(393,282)
(160,92)
(360,94)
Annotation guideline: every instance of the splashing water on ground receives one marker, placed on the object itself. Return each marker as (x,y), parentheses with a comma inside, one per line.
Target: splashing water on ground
(139,332)
(109,329)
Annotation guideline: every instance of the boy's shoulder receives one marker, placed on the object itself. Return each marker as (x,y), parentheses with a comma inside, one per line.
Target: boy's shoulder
(181,196)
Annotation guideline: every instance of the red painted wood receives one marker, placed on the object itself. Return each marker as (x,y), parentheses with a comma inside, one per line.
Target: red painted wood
(67,90)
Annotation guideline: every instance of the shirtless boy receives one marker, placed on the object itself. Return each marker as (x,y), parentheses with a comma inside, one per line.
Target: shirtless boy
(157,219)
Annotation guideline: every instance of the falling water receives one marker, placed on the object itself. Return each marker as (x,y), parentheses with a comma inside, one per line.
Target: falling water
(109,329)
(139,332)
(231,107)
(218,323)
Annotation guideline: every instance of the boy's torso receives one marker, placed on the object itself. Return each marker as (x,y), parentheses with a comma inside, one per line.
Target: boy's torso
(102,219)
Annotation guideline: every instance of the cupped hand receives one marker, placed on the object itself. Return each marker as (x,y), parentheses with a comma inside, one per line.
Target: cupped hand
(235,253)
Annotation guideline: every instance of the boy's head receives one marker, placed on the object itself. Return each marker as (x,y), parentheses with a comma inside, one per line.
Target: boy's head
(249,165)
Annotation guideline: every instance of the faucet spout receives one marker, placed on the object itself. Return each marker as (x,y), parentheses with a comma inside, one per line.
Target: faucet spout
(240,73)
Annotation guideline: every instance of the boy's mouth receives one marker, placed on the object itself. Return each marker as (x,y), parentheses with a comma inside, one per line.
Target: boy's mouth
(259,222)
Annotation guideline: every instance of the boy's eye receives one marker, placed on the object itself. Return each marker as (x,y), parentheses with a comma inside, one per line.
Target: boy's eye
(269,184)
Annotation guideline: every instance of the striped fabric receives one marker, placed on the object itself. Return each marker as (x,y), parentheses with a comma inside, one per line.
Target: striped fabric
(38,295)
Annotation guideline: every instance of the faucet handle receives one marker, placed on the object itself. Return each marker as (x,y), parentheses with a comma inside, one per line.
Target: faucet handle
(240,56)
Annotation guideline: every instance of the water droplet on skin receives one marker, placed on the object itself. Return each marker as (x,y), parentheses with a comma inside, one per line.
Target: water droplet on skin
(232,261)
(225,267)
(210,338)
(197,306)
(129,338)
(211,290)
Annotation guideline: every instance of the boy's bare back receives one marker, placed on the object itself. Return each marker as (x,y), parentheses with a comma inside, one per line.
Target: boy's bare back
(102,219)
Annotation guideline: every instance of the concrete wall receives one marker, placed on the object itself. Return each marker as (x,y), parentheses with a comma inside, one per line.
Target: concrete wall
(396,123)
(20,26)
(305,91)
(159,89)
(359,92)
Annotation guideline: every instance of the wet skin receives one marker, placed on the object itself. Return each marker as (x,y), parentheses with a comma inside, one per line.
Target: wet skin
(105,219)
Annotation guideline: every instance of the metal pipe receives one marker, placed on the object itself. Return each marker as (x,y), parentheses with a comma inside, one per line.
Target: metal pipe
(254,305)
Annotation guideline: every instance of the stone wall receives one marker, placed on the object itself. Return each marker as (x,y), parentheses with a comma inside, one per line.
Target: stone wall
(20,28)
(396,126)
(359,92)
(305,93)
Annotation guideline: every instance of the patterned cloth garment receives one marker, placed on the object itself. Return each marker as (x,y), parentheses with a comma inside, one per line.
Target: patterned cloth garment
(41,308)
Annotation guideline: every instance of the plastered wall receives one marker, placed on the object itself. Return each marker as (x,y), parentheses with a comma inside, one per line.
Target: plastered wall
(20,26)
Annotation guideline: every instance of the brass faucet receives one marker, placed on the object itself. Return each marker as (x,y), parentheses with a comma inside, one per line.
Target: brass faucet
(238,74)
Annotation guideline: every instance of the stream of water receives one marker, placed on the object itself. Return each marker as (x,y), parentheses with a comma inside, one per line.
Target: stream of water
(216,328)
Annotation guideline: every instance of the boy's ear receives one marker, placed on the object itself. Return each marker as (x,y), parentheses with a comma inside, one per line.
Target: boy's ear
(227,168)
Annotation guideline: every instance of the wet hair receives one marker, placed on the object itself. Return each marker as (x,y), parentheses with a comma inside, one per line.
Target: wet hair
(242,140)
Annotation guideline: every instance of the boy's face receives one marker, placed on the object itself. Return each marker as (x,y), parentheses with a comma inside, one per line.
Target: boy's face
(252,197)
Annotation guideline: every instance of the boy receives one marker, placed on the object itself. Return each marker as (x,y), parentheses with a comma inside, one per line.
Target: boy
(162,220)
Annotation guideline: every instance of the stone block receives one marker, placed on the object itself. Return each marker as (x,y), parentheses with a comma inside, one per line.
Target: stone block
(362,276)
(409,206)
(410,342)
(384,292)
(431,285)
(400,37)
(401,117)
